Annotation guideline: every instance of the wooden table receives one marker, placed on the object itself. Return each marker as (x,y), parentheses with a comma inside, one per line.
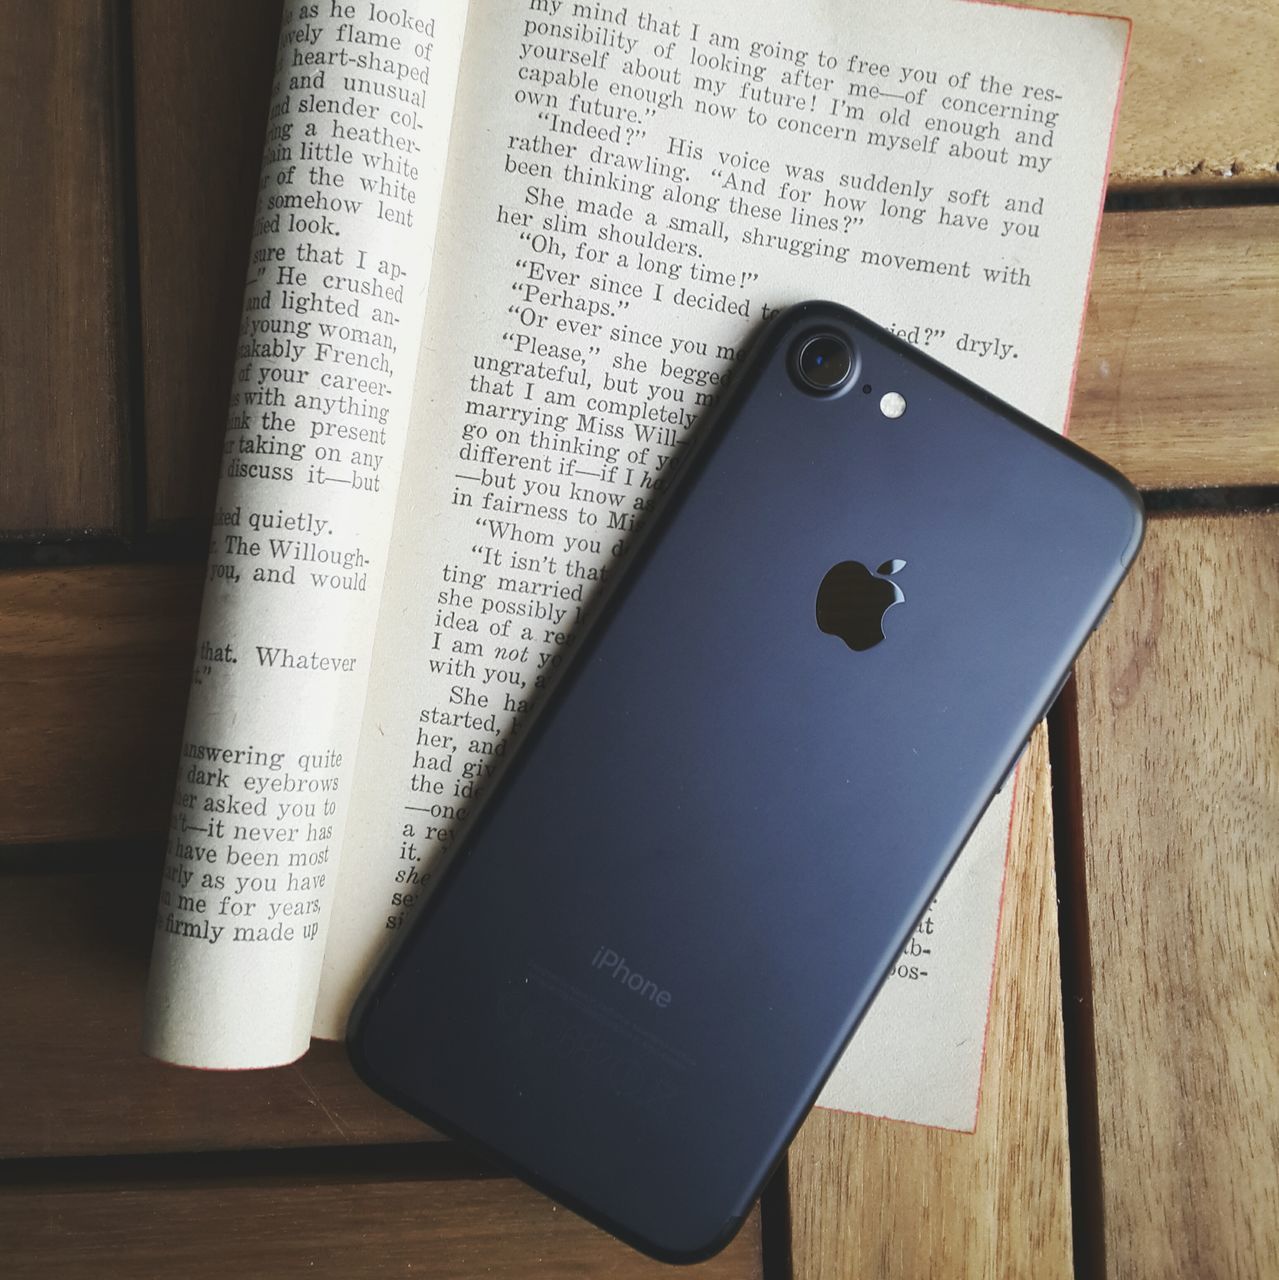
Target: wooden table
(1129,1122)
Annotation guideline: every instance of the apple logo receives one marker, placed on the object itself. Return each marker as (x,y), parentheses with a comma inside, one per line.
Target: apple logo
(852,601)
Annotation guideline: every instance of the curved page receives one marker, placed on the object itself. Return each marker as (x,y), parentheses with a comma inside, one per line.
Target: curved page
(333,308)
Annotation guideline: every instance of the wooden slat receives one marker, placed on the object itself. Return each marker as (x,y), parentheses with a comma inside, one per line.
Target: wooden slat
(881,1198)
(1179,747)
(73,1079)
(61,418)
(1178,380)
(1199,100)
(202,79)
(446,1230)
(94,665)
(94,669)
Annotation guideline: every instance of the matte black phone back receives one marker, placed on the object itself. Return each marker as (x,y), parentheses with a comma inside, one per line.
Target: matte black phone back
(747,813)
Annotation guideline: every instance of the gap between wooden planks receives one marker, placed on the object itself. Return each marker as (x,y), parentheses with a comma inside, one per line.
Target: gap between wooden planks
(881,1198)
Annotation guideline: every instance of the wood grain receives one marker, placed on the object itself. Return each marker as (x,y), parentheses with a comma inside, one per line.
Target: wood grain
(61,415)
(94,669)
(73,1079)
(1179,748)
(318,1227)
(881,1198)
(202,80)
(1178,382)
(1199,97)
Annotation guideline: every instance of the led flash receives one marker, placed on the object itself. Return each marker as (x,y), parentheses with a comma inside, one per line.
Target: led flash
(893,405)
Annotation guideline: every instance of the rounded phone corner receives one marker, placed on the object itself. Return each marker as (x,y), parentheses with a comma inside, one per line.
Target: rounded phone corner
(1138,535)
(1125,494)
(681,1254)
(356,1041)
(1136,511)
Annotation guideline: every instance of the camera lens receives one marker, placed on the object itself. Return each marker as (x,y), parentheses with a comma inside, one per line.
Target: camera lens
(823,362)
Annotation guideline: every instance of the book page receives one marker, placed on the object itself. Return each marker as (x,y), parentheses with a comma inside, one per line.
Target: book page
(334,300)
(631,190)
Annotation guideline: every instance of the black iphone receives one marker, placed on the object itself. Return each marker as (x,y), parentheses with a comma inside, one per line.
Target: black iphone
(665,923)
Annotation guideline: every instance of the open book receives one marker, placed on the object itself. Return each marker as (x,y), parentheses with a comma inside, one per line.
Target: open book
(505,254)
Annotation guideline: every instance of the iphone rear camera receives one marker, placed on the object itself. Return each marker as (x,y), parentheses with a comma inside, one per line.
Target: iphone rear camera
(822,363)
